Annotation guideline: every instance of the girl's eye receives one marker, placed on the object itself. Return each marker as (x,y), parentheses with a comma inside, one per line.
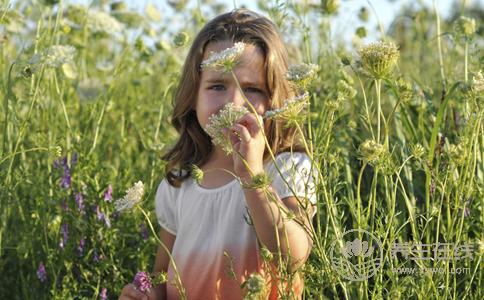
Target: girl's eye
(217,87)
(253,90)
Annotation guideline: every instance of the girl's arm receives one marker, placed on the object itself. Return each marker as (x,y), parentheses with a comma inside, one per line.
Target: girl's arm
(162,260)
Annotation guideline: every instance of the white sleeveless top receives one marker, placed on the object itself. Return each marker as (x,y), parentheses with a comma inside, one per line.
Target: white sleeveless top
(208,221)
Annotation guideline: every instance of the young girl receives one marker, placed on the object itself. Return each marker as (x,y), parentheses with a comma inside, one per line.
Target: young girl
(221,227)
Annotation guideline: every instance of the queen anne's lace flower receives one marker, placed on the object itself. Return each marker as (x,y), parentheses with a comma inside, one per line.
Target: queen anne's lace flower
(301,75)
(54,56)
(98,21)
(478,82)
(465,27)
(371,151)
(378,59)
(254,284)
(133,196)
(197,173)
(224,60)
(181,39)
(290,111)
(226,118)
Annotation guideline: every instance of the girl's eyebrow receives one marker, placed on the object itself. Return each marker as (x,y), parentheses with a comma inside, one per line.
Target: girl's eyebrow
(245,83)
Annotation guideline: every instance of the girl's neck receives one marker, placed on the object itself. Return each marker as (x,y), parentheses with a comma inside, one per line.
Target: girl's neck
(218,159)
(216,168)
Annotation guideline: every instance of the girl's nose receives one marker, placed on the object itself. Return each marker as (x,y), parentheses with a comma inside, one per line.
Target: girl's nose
(238,97)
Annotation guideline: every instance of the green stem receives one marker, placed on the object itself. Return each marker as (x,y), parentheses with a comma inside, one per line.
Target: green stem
(378,113)
(180,287)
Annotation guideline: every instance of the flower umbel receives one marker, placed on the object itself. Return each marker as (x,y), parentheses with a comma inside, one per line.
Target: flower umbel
(142,281)
(197,173)
(225,60)
(133,196)
(54,56)
(226,118)
(371,151)
(101,22)
(259,181)
(301,75)
(290,112)
(181,39)
(378,59)
(478,83)
(465,27)
(254,284)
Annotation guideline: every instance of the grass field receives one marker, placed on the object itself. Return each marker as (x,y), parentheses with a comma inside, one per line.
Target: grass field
(397,134)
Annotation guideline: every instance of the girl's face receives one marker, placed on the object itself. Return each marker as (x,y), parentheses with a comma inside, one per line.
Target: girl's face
(217,89)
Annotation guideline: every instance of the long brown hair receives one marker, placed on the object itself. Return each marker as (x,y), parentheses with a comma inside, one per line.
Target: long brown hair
(194,145)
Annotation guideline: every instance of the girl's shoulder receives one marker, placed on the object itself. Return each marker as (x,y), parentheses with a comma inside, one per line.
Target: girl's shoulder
(292,164)
(165,186)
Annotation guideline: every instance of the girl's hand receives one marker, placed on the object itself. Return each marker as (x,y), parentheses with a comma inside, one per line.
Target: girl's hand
(247,139)
(130,292)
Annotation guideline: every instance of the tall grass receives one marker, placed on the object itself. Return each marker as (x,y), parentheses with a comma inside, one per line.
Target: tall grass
(402,158)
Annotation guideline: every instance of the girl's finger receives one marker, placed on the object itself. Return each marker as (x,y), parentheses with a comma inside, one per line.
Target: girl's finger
(251,121)
(131,292)
(242,132)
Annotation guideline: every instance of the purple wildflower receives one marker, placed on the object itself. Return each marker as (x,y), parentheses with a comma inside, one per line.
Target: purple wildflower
(73,160)
(80,248)
(80,202)
(102,217)
(57,164)
(65,235)
(142,281)
(41,274)
(144,231)
(108,194)
(103,294)
(64,205)
(66,178)
(95,256)
(99,214)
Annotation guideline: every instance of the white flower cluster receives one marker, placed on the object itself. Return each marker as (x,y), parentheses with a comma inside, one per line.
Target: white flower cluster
(133,196)
(478,82)
(98,21)
(224,60)
(378,59)
(291,108)
(54,56)
(301,72)
(226,118)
